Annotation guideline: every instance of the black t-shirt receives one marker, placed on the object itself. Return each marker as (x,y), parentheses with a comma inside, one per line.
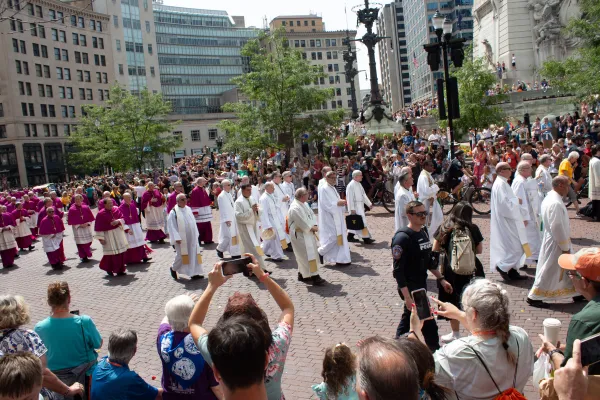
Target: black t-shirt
(455,172)
(411,252)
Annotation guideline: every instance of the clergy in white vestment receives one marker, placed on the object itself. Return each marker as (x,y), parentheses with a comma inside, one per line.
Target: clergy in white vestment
(228,229)
(357,198)
(404,195)
(334,243)
(274,237)
(303,231)
(551,283)
(289,189)
(183,234)
(508,239)
(255,193)
(247,216)
(403,171)
(543,176)
(427,191)
(594,182)
(282,200)
(526,190)
(323,180)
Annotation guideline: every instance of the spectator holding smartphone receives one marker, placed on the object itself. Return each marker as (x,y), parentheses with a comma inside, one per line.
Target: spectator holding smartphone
(242,308)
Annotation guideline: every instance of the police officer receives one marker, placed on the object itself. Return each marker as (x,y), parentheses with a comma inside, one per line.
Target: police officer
(411,250)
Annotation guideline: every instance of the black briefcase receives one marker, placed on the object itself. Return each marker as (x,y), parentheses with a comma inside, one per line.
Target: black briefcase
(354,222)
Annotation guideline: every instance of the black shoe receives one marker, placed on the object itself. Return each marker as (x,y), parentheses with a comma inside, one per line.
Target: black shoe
(503,274)
(537,303)
(173,274)
(351,238)
(220,254)
(342,264)
(161,241)
(515,276)
(22,250)
(121,273)
(524,267)
(146,259)
(579,299)
(300,277)
(9,266)
(17,256)
(196,277)
(289,248)
(321,259)
(277,260)
(85,259)
(207,243)
(368,241)
(318,281)
(109,273)
(31,248)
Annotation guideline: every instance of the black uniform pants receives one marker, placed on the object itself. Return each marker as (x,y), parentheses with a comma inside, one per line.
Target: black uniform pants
(429,330)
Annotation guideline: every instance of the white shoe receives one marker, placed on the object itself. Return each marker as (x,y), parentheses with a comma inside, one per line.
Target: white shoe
(450,337)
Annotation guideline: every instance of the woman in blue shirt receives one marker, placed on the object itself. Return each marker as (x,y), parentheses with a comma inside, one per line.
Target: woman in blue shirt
(71,339)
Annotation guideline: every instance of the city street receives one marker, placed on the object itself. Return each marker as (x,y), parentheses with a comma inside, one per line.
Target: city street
(359,301)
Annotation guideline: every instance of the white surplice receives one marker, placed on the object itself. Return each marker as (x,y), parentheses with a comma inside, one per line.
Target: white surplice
(115,240)
(247,220)
(301,220)
(527,191)
(403,197)
(551,281)
(270,218)
(255,194)
(357,198)
(290,190)
(544,179)
(227,233)
(507,232)
(332,227)
(428,190)
(22,229)
(279,194)
(594,179)
(183,228)
(83,233)
(135,236)
(52,242)
(7,238)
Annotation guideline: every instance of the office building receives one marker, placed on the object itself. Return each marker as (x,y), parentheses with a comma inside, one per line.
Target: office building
(56,58)
(419,31)
(393,56)
(307,34)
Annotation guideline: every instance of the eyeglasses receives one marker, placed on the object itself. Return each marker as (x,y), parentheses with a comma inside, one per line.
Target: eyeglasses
(421,214)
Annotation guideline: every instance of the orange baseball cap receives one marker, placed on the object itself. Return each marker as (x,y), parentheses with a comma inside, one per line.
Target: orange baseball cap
(586,261)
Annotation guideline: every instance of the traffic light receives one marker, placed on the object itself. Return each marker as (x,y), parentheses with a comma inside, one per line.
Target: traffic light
(441,99)
(433,55)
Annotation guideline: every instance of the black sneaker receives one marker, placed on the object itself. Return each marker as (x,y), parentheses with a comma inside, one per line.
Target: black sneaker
(537,303)
(503,274)
(516,276)
(351,238)
(220,254)
(318,281)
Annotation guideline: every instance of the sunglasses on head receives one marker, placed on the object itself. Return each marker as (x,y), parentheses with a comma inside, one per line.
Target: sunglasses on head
(420,214)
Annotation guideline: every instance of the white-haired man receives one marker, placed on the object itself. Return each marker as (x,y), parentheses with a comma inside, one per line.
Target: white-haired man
(526,190)
(334,243)
(153,204)
(228,232)
(183,234)
(543,176)
(403,196)
(283,200)
(566,169)
(428,190)
(288,188)
(356,197)
(303,230)
(247,215)
(200,205)
(270,220)
(508,239)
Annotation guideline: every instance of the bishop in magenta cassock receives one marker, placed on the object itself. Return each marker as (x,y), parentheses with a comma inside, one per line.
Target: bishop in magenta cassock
(22,232)
(153,204)
(80,218)
(110,230)
(43,211)
(29,205)
(200,205)
(138,250)
(51,231)
(8,244)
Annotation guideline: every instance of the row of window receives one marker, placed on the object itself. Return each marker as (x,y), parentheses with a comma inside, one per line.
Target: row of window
(37,11)
(134,47)
(134,70)
(181,19)
(195,134)
(298,23)
(31,130)
(318,55)
(22,67)
(313,43)
(131,23)
(332,80)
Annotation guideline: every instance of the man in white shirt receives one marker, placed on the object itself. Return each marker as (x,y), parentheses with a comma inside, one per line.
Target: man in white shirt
(274,237)
(594,181)
(428,190)
(434,139)
(357,199)
(228,232)
(404,195)
(332,225)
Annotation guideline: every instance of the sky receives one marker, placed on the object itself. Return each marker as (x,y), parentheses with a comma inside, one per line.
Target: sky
(255,12)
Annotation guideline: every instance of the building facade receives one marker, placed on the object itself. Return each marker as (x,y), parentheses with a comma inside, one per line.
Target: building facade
(419,31)
(133,42)
(393,56)
(56,59)
(322,48)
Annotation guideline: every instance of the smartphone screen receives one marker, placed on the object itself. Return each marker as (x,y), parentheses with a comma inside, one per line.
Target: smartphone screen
(422,304)
(74,312)
(236,266)
(590,350)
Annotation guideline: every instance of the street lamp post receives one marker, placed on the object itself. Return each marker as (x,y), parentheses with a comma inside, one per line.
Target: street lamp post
(219,143)
(351,72)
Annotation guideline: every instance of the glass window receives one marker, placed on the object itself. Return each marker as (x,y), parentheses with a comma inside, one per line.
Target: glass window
(44,110)
(118,44)
(42,31)
(39,12)
(54,130)
(19,69)
(44,51)
(41,90)
(63,111)
(101,43)
(86,75)
(81,22)
(59,73)
(195,136)
(61,92)
(98,77)
(46,130)
(72,111)
(33,29)
(22,88)
(149,48)
(73,20)
(82,40)
(66,130)
(31,111)
(15,43)
(69,93)
(27,132)
(85,58)
(79,75)
(98,26)
(67,72)
(120,69)
(212,134)
(104,77)
(94,42)
(116,21)
(75,38)
(147,26)
(57,54)
(36,49)
(89,95)
(152,71)
(46,71)
(65,54)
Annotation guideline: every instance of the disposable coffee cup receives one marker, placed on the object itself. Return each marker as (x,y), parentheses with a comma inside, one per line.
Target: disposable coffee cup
(552,329)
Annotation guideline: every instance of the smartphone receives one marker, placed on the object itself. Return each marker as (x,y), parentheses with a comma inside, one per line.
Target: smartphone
(236,266)
(590,350)
(422,304)
(74,312)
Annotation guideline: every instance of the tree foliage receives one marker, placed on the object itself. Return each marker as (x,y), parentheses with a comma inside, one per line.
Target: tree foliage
(125,133)
(279,97)
(578,74)
(477,109)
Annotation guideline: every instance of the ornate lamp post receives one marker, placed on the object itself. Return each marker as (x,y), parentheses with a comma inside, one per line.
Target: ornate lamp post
(219,143)
(350,72)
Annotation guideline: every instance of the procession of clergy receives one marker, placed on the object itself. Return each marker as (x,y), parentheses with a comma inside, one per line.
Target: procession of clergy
(263,225)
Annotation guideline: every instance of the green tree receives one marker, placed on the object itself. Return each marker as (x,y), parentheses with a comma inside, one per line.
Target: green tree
(477,109)
(125,133)
(280,97)
(578,75)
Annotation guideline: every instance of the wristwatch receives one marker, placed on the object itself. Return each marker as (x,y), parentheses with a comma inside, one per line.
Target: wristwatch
(552,352)
(441,278)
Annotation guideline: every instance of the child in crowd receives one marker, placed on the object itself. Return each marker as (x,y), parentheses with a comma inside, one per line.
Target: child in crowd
(339,370)
(487,179)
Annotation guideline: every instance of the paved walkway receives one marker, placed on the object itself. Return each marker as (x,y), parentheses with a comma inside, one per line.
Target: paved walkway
(359,301)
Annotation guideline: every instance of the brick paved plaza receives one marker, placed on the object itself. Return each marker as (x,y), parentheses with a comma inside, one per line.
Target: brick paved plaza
(359,301)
